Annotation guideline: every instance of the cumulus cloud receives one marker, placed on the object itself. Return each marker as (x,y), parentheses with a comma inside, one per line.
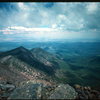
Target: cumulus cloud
(50,20)
(92,7)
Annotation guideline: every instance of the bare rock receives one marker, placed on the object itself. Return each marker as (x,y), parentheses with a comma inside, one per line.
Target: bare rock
(63,91)
(28,90)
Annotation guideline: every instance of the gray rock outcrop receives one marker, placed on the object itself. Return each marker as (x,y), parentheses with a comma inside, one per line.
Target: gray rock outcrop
(63,91)
(32,90)
(28,90)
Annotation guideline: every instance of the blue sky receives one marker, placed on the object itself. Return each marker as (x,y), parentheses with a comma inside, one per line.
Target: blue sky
(50,20)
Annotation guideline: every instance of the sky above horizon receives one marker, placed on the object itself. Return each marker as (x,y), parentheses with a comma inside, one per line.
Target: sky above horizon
(21,21)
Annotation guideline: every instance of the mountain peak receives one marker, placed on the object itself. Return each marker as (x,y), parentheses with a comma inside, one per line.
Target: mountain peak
(21,48)
(17,51)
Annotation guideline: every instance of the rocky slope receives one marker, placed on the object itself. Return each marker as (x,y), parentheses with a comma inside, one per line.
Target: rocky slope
(52,61)
(48,59)
(86,92)
(33,90)
(26,74)
(26,56)
(38,90)
(16,71)
(44,57)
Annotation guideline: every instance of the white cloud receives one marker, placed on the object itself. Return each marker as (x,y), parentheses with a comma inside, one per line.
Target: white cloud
(59,21)
(54,25)
(32,29)
(19,29)
(22,6)
(92,7)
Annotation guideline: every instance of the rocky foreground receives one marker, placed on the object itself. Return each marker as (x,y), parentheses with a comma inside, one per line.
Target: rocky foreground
(86,92)
(38,90)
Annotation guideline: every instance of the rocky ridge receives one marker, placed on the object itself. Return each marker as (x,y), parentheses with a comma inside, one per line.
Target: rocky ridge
(20,79)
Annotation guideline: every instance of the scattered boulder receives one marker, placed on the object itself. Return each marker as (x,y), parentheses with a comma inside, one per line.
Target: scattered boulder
(7,87)
(27,90)
(5,90)
(86,92)
(46,90)
(32,90)
(63,91)
(89,88)
(39,90)
(77,86)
